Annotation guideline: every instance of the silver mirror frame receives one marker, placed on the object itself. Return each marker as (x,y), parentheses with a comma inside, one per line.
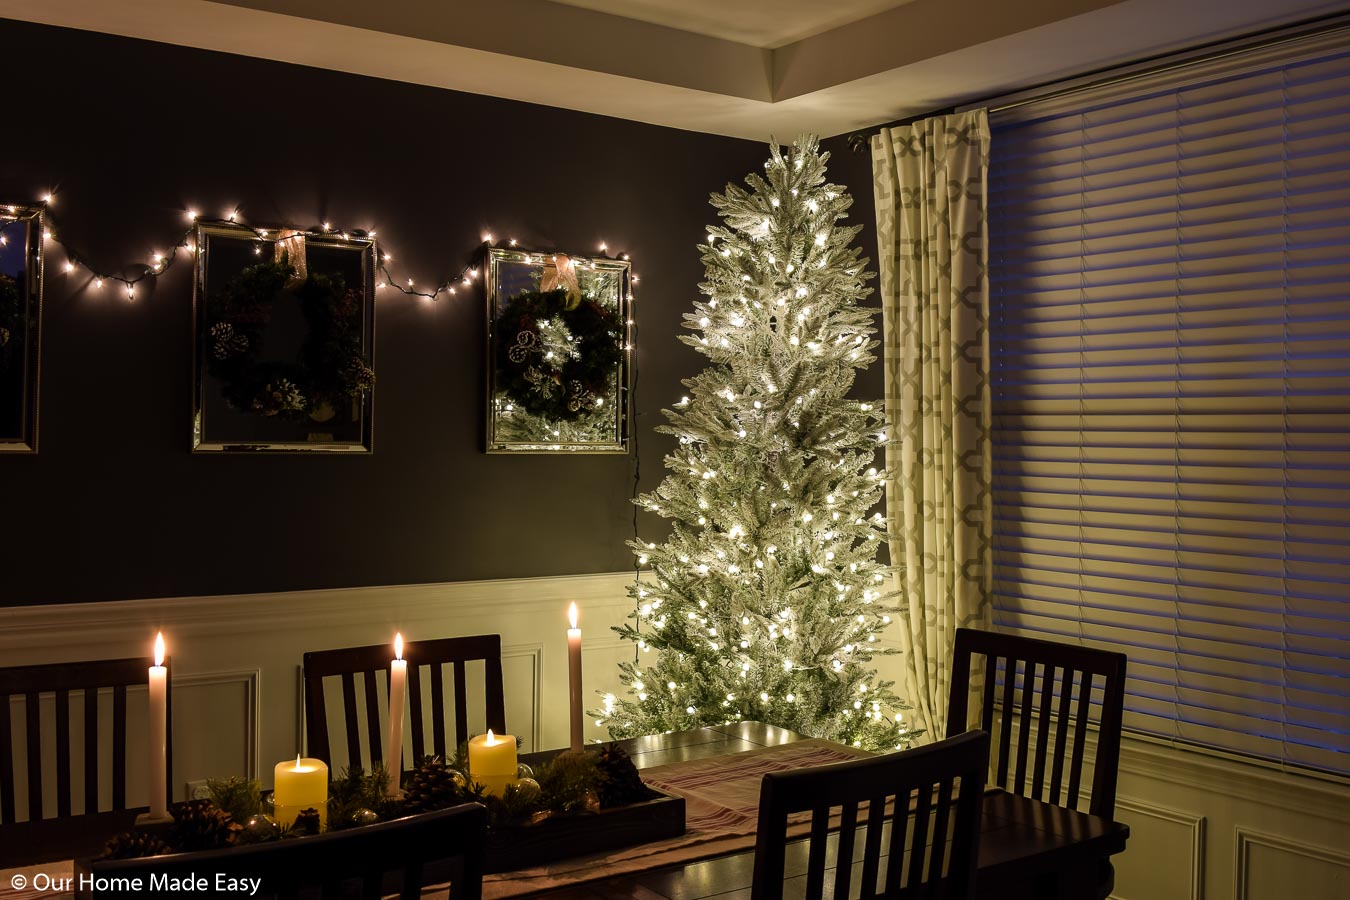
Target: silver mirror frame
(201,440)
(495,442)
(26,441)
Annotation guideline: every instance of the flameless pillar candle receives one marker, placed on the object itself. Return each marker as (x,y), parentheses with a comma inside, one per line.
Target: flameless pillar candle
(300,785)
(574,676)
(159,720)
(398,689)
(492,761)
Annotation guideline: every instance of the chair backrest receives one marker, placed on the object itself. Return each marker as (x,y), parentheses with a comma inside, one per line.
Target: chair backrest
(333,863)
(924,804)
(433,655)
(1046,684)
(86,680)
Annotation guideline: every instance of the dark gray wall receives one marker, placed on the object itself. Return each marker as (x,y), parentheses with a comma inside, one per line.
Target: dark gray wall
(131,133)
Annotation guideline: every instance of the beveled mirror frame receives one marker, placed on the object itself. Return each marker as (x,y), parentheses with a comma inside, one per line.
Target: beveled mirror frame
(202,440)
(497,405)
(31,221)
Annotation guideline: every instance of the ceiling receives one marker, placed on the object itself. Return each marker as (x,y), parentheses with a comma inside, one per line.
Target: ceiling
(759,23)
(747,68)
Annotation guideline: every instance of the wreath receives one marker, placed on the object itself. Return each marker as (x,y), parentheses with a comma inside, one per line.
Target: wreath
(556,353)
(329,368)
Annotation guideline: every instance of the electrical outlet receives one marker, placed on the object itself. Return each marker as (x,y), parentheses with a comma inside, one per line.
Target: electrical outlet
(196,789)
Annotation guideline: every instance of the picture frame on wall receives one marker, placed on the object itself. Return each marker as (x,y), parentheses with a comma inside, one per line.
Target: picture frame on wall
(284,339)
(559,348)
(21,281)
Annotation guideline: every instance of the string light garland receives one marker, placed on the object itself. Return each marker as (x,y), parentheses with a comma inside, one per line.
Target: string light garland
(160,263)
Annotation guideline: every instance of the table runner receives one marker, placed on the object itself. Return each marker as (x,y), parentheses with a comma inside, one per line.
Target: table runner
(721,795)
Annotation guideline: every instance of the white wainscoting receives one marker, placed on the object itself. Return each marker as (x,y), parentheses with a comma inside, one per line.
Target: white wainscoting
(236,659)
(1212,828)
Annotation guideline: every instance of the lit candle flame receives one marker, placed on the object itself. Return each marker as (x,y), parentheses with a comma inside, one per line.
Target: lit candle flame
(491,740)
(398,645)
(572,615)
(297,762)
(159,649)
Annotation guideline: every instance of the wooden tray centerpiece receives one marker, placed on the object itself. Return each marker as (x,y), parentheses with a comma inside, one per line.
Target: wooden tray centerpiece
(571,803)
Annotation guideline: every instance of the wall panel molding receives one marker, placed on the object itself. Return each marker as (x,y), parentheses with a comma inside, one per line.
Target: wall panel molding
(1196,824)
(1247,839)
(249,679)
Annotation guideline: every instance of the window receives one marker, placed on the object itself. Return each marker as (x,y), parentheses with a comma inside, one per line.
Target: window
(1170,305)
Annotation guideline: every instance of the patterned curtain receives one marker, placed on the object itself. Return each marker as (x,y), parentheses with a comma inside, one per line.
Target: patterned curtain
(930,179)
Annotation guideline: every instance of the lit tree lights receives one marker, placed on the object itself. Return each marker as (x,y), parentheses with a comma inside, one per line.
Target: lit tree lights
(767,600)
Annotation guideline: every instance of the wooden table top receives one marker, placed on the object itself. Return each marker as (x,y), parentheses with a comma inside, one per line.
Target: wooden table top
(1027,848)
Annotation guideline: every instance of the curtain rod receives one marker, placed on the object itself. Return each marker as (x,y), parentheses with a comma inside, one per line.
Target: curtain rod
(1168,62)
(1337,22)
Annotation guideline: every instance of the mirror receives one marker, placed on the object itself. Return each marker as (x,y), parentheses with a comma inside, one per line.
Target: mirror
(558,353)
(21,231)
(284,324)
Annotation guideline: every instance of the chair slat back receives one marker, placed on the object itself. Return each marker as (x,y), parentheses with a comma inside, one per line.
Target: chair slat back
(335,863)
(372,664)
(927,801)
(29,685)
(1047,688)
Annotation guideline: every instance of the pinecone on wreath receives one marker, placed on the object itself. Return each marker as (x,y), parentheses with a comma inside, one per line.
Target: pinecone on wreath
(620,783)
(433,785)
(226,342)
(201,825)
(134,845)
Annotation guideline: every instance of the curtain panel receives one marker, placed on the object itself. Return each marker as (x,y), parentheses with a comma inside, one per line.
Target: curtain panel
(930,180)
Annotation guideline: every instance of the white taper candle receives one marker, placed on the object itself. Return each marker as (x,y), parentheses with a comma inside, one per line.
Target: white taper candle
(398,689)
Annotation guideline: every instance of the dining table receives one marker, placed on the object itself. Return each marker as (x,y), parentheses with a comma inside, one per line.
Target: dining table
(1028,849)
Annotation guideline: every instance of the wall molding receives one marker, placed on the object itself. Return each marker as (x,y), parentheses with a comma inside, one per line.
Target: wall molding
(1246,839)
(250,679)
(1195,822)
(535,654)
(1303,793)
(243,613)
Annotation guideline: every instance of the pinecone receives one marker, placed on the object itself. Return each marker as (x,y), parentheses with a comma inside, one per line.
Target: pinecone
(134,845)
(620,783)
(433,785)
(201,825)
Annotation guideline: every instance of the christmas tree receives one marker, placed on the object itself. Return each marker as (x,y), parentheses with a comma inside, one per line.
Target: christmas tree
(767,600)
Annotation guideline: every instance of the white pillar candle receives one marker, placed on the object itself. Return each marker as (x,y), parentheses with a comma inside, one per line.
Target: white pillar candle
(492,761)
(159,721)
(398,689)
(298,786)
(574,677)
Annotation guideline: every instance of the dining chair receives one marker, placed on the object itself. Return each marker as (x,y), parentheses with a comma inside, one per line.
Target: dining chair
(1047,687)
(371,861)
(923,804)
(52,821)
(350,662)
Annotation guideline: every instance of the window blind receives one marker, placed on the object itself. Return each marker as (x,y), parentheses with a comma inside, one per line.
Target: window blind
(1170,336)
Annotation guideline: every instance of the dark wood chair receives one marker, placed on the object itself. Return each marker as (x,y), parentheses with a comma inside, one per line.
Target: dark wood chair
(40,836)
(935,794)
(350,662)
(1046,687)
(370,862)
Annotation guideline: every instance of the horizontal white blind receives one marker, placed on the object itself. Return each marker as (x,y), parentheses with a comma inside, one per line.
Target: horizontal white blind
(1170,293)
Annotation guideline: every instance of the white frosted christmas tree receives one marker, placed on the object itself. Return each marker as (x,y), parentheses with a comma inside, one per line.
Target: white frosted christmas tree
(767,601)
